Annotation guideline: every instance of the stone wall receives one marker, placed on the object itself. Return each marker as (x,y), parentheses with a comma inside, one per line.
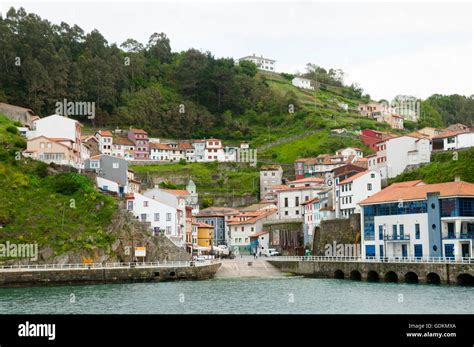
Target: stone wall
(106,275)
(286,236)
(448,273)
(341,231)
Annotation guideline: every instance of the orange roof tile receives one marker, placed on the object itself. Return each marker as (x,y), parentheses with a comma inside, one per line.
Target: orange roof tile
(106,133)
(138,131)
(354,177)
(177,191)
(203,225)
(159,146)
(123,141)
(307,180)
(413,190)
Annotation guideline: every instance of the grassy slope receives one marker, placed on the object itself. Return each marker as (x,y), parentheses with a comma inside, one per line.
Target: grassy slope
(443,168)
(323,113)
(32,202)
(209,177)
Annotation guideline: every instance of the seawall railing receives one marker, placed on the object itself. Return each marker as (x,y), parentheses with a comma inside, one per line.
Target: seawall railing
(46,267)
(427,260)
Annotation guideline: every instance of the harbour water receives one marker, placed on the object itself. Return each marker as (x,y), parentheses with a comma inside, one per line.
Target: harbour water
(240,296)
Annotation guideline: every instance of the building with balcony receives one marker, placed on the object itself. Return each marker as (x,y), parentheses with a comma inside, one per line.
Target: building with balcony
(415,219)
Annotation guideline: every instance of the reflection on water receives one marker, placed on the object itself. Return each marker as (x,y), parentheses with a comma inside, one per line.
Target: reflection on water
(277,295)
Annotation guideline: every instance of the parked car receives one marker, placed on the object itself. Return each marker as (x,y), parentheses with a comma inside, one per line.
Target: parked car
(270,252)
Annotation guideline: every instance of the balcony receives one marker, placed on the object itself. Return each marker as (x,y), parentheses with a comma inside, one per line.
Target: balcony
(461,236)
(397,237)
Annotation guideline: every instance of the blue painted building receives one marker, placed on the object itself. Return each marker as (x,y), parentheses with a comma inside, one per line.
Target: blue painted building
(415,219)
(217,217)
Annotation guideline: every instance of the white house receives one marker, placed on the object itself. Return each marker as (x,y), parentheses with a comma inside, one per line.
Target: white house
(160,151)
(302,82)
(58,128)
(199,150)
(264,64)
(451,140)
(177,198)
(415,219)
(316,210)
(160,216)
(245,225)
(122,147)
(291,197)
(214,150)
(350,151)
(354,189)
(105,138)
(395,154)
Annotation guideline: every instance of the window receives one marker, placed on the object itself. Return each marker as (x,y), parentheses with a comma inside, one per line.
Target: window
(369,186)
(168,230)
(168,217)
(418,251)
(145,203)
(372,175)
(380,232)
(143,217)
(242,228)
(394,231)
(115,165)
(286,202)
(157,217)
(417,231)
(297,201)
(402,230)
(286,213)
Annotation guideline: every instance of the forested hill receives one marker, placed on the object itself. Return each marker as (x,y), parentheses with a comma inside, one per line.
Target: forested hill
(170,94)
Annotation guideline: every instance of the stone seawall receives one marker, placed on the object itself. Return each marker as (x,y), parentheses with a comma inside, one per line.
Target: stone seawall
(443,273)
(23,278)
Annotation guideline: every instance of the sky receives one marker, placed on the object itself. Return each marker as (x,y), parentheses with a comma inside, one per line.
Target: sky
(387,48)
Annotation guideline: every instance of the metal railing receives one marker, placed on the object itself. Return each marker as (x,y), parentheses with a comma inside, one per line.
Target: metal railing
(105,265)
(431,260)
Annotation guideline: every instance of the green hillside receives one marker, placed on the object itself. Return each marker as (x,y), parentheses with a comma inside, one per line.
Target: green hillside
(210,178)
(58,210)
(444,167)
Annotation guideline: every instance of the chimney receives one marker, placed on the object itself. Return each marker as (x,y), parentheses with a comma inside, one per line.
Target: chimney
(457,178)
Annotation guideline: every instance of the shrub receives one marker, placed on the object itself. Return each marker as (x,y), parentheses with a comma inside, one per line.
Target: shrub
(12,129)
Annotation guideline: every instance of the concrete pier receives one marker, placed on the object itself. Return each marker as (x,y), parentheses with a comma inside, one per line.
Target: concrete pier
(383,271)
(240,268)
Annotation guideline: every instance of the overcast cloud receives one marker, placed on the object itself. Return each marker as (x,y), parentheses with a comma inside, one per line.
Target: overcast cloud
(388,48)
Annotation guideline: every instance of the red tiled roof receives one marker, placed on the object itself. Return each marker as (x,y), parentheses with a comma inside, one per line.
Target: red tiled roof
(414,191)
(203,225)
(354,177)
(177,191)
(60,139)
(4,105)
(138,131)
(106,133)
(310,201)
(122,141)
(307,180)
(253,217)
(159,146)
(449,133)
